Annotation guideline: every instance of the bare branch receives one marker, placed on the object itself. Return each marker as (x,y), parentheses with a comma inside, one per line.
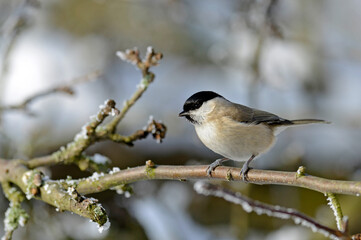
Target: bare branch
(250,205)
(60,89)
(68,194)
(221,173)
(157,129)
(10,30)
(14,171)
(93,131)
(132,56)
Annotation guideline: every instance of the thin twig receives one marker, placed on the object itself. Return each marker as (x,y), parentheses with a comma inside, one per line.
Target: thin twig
(9,31)
(336,208)
(63,89)
(73,152)
(15,215)
(151,59)
(250,205)
(93,131)
(63,194)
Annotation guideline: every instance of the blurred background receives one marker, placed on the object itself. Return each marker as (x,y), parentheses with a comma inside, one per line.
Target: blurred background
(298,59)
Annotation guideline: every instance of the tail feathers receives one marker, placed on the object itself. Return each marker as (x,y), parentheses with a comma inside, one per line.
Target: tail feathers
(308,121)
(290,123)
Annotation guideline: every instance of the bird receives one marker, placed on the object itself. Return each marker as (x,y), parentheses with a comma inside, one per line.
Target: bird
(234,131)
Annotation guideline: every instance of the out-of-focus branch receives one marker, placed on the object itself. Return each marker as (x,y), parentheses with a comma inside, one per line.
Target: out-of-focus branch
(62,194)
(270,20)
(10,30)
(68,89)
(250,205)
(93,131)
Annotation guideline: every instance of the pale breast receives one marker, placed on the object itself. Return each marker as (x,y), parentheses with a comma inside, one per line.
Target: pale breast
(235,140)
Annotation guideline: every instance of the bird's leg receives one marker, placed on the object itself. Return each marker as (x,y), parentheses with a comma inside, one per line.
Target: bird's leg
(246,168)
(215,164)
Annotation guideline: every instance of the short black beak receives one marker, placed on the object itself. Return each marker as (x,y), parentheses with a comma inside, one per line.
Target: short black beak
(183,114)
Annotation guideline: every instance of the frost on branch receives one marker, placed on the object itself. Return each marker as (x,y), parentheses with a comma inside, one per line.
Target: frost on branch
(336,208)
(63,194)
(15,216)
(132,56)
(32,180)
(250,205)
(156,128)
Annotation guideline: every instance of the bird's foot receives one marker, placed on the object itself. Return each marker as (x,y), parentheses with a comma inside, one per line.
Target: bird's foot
(215,164)
(246,168)
(244,172)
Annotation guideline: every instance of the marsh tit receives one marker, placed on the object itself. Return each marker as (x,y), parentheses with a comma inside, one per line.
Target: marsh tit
(232,130)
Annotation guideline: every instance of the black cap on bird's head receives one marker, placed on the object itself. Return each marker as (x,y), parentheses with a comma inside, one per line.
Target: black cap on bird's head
(196,100)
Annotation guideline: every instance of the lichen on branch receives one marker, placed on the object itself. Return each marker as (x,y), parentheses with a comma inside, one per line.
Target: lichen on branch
(63,194)
(93,131)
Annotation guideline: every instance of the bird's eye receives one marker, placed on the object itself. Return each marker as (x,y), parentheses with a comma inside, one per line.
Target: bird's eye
(197,105)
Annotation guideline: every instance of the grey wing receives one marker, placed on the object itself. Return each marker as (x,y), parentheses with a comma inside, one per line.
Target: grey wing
(255,116)
(269,118)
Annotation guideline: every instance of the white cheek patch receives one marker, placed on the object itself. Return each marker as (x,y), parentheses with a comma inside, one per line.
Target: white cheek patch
(200,114)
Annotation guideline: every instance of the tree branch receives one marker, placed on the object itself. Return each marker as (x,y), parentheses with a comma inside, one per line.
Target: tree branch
(132,56)
(67,88)
(93,131)
(73,152)
(250,205)
(62,194)
(67,194)
(15,216)
(35,185)
(107,181)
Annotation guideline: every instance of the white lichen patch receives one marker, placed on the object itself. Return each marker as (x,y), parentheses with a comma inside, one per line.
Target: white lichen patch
(336,212)
(114,170)
(70,182)
(15,216)
(114,112)
(26,176)
(82,134)
(95,176)
(70,190)
(105,104)
(22,221)
(47,188)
